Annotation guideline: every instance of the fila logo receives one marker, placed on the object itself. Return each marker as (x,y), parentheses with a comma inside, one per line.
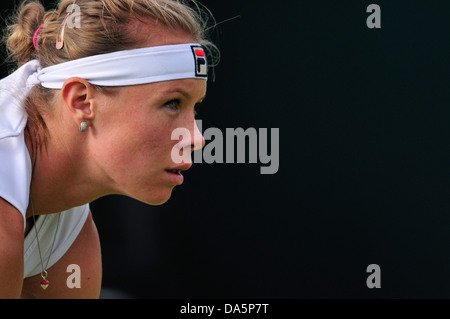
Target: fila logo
(201,67)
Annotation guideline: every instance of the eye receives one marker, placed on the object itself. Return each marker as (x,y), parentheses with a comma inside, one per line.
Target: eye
(173,105)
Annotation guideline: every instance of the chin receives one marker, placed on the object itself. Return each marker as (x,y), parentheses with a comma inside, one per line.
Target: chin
(158,200)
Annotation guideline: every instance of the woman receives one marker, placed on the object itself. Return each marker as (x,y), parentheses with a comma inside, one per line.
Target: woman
(101,86)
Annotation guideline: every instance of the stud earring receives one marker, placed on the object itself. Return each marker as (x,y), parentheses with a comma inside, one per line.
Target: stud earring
(83,127)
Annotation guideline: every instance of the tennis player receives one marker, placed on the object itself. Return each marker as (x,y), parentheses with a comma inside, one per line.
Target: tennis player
(99,87)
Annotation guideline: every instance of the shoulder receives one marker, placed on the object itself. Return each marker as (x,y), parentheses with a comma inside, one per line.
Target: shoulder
(11,247)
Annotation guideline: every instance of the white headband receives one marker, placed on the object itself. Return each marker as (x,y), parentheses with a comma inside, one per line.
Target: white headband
(131,67)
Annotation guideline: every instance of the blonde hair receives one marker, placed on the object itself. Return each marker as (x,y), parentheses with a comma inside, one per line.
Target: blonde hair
(104,28)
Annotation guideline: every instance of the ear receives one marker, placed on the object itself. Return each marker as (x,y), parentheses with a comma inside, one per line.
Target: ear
(78,96)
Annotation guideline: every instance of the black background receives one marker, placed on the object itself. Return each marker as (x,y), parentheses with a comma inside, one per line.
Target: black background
(364,152)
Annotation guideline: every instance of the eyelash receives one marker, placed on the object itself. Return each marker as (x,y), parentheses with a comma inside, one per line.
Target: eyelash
(177,106)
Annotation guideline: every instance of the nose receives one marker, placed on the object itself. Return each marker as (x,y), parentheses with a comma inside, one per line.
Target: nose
(189,140)
(198,141)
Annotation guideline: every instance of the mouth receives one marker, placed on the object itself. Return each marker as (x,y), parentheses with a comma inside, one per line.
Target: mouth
(180,168)
(175,173)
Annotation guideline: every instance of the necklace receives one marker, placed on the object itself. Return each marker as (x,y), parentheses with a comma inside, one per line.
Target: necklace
(44,274)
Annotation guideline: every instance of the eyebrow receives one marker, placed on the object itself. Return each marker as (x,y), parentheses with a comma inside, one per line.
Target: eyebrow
(185,94)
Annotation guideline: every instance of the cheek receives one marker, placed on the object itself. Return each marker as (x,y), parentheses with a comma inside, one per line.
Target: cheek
(136,142)
(148,145)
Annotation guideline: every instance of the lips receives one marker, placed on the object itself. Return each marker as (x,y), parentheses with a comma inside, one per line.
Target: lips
(174,173)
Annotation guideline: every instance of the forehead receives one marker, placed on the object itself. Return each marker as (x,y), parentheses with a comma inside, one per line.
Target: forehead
(151,32)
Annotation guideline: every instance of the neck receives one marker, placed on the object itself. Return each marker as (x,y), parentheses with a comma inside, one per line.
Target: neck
(62,178)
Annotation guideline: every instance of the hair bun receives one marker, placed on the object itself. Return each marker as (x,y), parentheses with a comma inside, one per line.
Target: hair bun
(19,36)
